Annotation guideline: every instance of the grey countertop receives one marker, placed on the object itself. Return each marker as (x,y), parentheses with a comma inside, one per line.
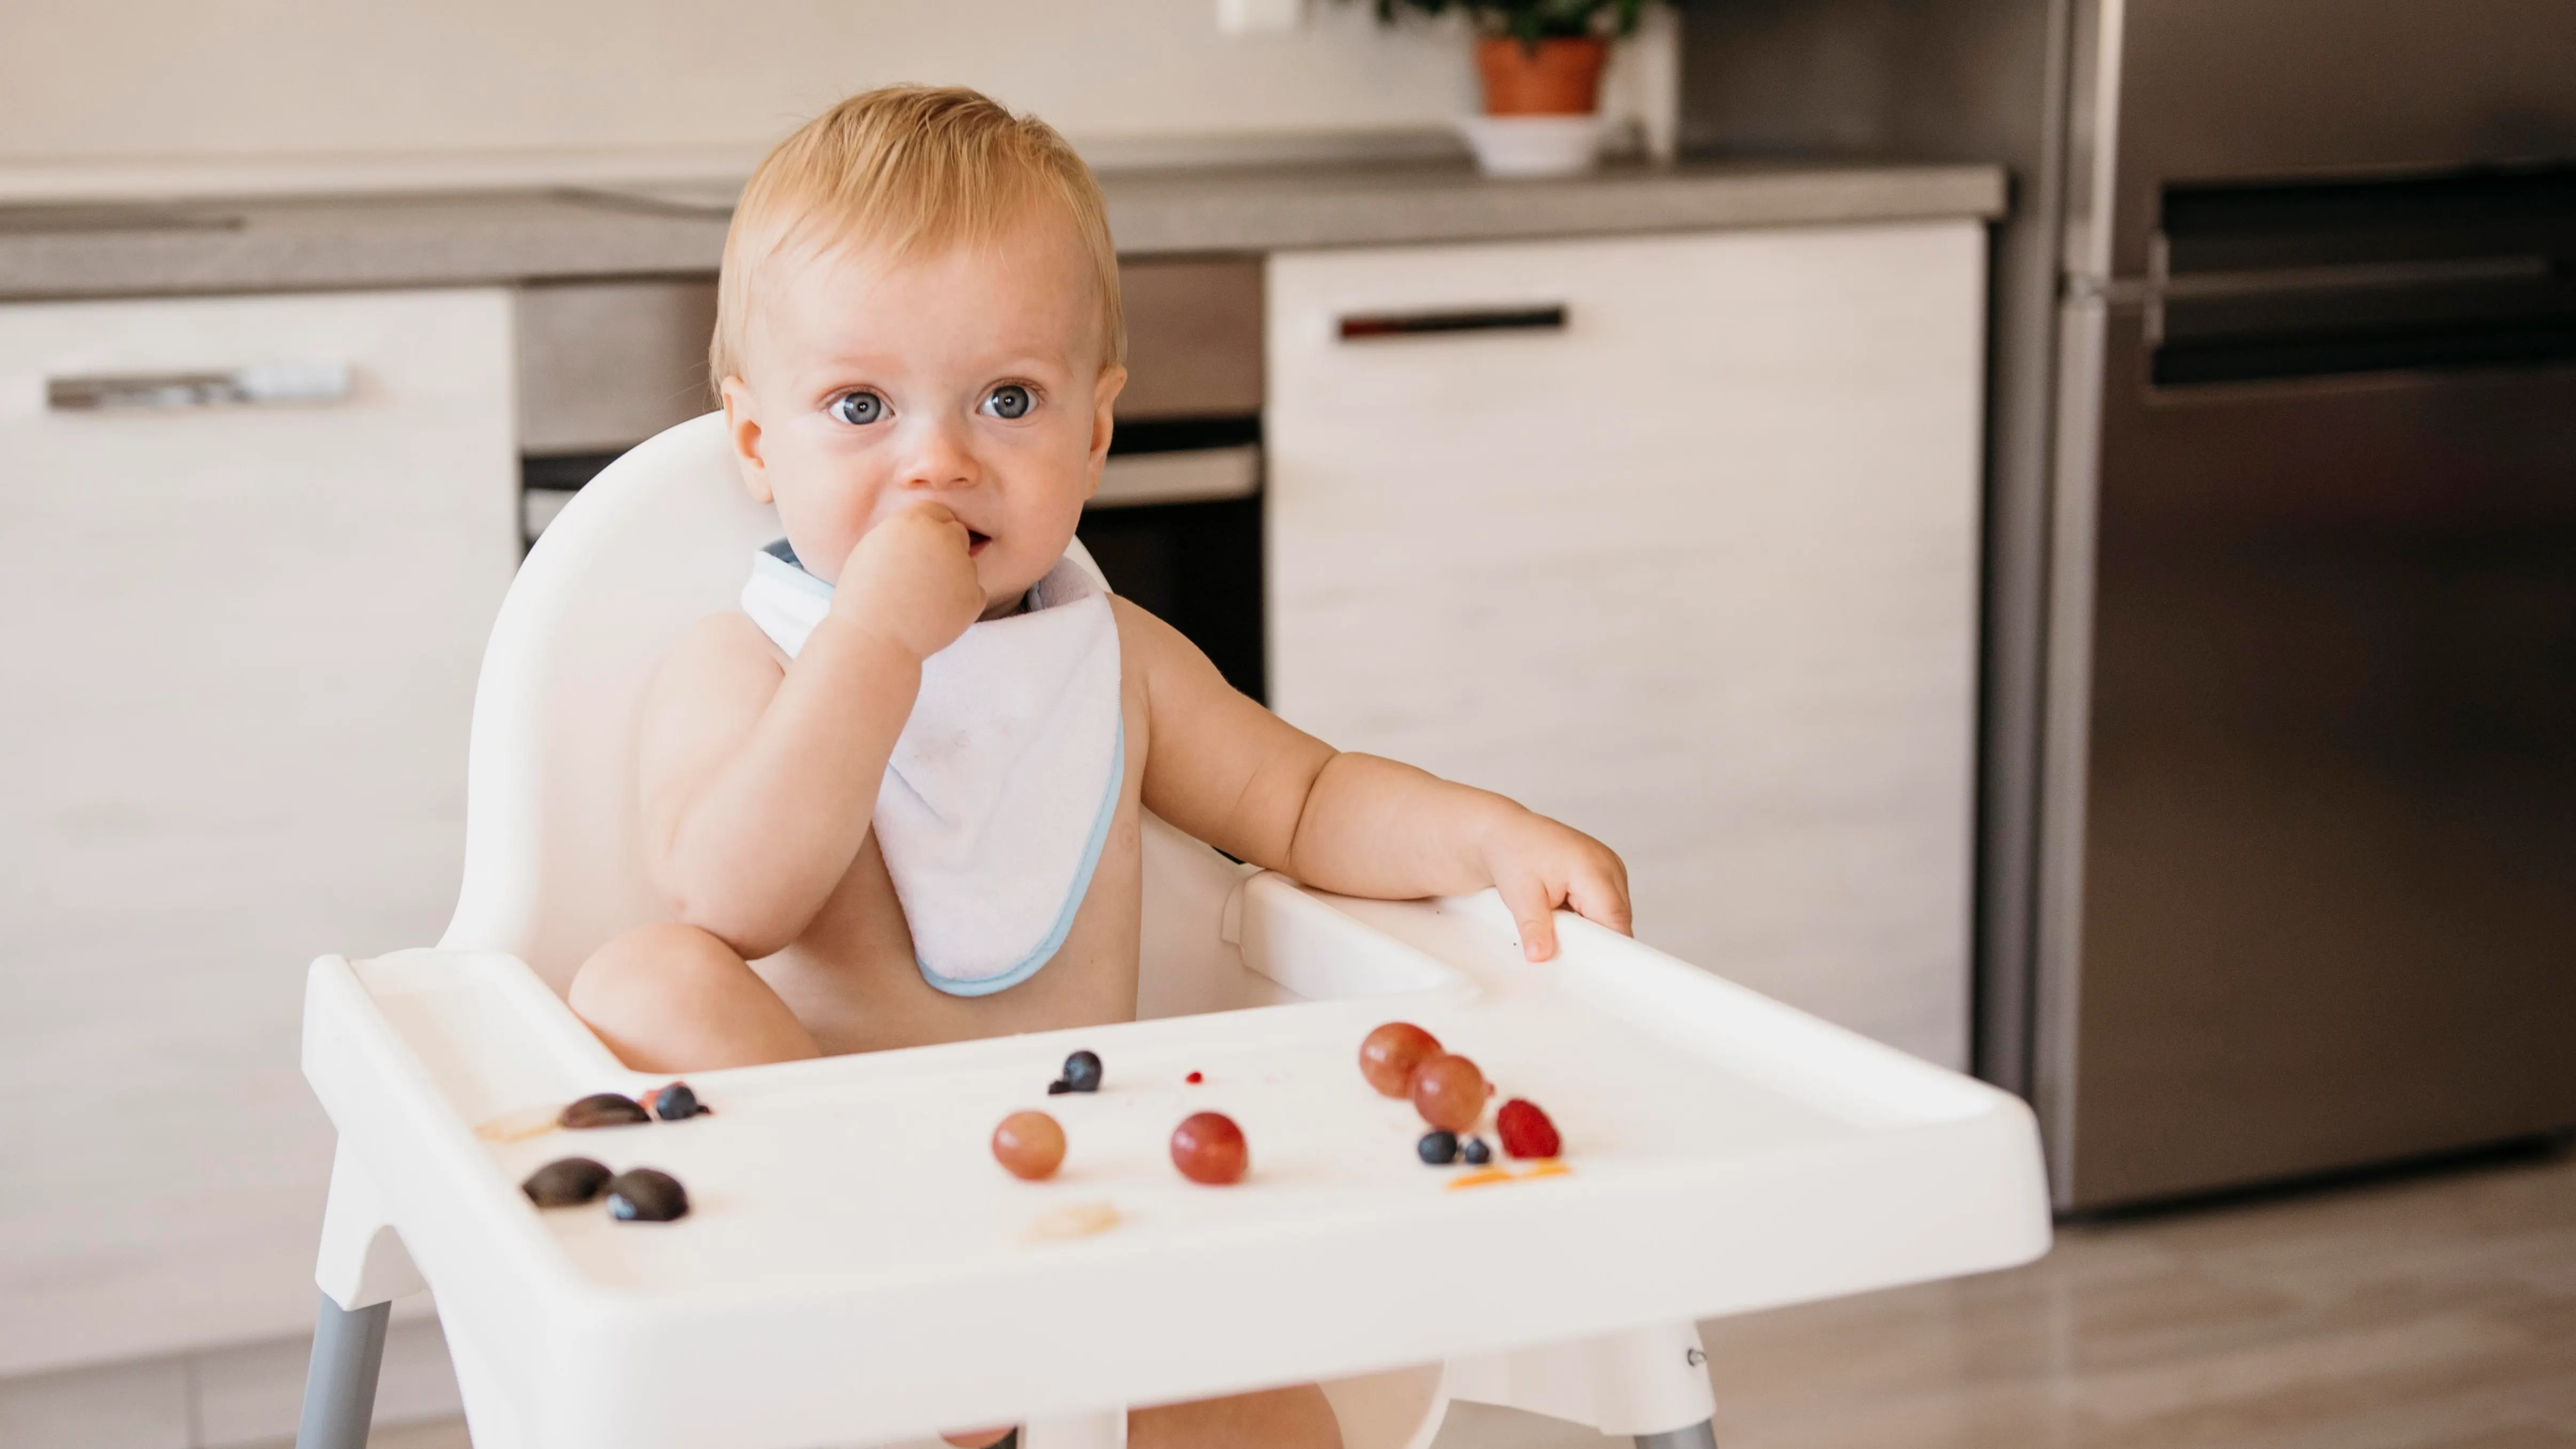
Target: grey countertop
(678,229)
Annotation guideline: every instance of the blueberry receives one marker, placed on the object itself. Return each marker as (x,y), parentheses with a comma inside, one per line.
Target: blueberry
(675,1102)
(1059,1087)
(604,1109)
(1477,1153)
(1082,1072)
(1439,1147)
(643,1195)
(564,1182)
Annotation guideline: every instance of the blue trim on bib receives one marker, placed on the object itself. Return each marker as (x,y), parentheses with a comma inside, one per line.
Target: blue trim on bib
(779,561)
(1046,949)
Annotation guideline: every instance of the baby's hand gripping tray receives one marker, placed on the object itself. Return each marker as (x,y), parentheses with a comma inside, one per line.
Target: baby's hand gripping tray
(856,1268)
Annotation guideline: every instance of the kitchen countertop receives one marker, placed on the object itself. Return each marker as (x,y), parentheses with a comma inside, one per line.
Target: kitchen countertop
(303,244)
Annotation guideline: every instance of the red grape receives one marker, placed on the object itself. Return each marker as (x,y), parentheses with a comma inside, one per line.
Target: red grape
(1029,1145)
(1449,1092)
(1390,1053)
(1207,1147)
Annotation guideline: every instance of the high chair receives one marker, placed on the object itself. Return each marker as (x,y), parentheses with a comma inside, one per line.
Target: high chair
(857,1270)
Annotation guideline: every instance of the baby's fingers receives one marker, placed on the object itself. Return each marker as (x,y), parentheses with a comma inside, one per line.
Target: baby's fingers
(1600,895)
(1532,902)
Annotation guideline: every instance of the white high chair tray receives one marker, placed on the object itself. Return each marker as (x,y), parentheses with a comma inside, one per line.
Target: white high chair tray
(858,1268)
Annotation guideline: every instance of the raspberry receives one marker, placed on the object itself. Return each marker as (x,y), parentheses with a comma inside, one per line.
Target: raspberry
(1525,1130)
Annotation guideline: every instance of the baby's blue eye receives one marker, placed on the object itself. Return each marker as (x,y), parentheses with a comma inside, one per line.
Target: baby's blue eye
(1010,400)
(859,408)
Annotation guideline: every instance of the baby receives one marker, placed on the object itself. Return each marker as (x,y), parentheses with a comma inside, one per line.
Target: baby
(897,799)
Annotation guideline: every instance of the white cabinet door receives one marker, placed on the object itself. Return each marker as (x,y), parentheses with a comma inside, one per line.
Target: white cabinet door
(240,646)
(1695,572)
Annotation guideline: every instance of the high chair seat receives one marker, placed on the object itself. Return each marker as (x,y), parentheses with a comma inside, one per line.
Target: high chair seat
(857,1270)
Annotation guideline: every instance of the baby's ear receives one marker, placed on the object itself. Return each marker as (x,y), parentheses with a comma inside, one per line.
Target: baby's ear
(1104,421)
(742,426)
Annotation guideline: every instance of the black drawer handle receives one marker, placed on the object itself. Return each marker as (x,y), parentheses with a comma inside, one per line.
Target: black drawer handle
(1365,326)
(291,382)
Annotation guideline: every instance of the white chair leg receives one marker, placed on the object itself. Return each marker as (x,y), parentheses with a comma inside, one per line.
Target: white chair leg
(1702,1435)
(1636,1384)
(340,1383)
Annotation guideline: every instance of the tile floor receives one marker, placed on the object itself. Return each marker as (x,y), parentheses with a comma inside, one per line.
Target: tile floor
(2434,1311)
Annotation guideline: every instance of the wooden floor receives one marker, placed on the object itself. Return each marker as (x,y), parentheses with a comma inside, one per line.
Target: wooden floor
(2433,1312)
(2436,1311)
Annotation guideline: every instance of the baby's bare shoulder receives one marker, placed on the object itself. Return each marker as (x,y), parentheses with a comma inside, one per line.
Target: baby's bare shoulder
(720,658)
(713,684)
(1144,641)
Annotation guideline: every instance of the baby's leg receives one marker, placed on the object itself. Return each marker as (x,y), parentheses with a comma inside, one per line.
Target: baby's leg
(671,998)
(1297,1418)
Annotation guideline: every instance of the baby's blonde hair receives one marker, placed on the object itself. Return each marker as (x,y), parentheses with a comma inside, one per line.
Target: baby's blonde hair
(910,171)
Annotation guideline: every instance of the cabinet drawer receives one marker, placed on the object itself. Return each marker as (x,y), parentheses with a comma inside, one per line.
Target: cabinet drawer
(242,641)
(1674,538)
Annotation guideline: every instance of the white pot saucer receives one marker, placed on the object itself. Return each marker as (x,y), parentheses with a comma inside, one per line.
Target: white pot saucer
(1534,145)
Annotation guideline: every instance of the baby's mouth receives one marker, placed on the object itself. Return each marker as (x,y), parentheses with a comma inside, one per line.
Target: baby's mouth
(975,542)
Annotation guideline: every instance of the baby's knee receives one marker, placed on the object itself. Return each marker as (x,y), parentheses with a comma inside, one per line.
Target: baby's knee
(671,998)
(666,963)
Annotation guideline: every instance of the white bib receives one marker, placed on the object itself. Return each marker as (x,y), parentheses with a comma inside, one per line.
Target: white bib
(1000,791)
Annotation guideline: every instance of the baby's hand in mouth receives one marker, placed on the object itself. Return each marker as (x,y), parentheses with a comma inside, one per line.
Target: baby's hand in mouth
(911,579)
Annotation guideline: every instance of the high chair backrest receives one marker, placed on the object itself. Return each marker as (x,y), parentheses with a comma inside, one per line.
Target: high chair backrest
(661,538)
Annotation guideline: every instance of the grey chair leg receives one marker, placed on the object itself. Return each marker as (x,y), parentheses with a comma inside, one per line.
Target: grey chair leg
(340,1386)
(1702,1435)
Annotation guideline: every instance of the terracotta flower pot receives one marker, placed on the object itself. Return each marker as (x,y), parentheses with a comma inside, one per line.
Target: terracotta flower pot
(1563,78)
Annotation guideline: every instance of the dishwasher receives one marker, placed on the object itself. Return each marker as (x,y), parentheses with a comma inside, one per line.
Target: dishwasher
(1176,523)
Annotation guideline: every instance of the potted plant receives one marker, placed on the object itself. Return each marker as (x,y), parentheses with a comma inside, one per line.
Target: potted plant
(1540,62)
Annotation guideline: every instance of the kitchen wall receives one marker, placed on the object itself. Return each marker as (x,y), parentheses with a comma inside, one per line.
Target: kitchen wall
(167,96)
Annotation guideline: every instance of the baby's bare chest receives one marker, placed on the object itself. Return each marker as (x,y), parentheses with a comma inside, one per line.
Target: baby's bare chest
(853,978)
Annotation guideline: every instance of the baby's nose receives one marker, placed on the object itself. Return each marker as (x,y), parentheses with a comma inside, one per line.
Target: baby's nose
(940,458)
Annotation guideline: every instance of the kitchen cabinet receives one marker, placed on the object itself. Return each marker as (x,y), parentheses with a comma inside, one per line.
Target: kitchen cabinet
(241,641)
(1674,538)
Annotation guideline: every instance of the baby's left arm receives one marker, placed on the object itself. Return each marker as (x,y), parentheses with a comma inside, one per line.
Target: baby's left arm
(1247,782)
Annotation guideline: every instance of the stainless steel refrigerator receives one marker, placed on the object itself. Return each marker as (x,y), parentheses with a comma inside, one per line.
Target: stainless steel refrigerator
(2278,855)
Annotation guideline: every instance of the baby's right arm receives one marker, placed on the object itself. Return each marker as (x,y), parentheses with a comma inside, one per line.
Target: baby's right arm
(758,782)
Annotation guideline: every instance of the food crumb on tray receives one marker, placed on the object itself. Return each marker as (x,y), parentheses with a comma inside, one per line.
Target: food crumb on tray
(519,1126)
(1072,1220)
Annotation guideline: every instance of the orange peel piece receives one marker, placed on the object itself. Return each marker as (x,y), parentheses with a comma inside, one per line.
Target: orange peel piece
(1489,1176)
